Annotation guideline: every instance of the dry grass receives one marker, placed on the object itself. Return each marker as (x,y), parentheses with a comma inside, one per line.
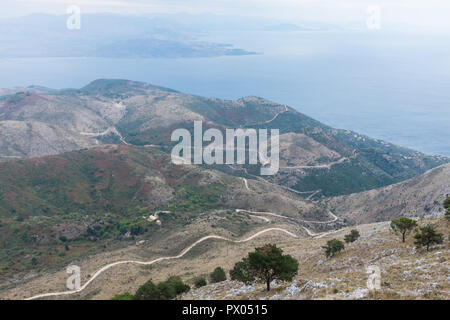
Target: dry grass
(407,273)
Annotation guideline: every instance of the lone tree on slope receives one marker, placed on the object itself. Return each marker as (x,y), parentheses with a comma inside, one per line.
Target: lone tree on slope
(427,236)
(447,208)
(403,226)
(333,247)
(264,265)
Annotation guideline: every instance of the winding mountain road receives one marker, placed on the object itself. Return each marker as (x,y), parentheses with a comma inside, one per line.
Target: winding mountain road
(335,218)
(276,116)
(319,166)
(183,253)
(309,232)
(106,132)
(255,214)
(246,183)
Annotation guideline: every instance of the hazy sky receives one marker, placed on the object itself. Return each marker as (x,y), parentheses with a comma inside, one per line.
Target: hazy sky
(425,13)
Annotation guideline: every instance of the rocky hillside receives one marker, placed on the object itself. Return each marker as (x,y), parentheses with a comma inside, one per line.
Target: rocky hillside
(407,272)
(316,160)
(418,197)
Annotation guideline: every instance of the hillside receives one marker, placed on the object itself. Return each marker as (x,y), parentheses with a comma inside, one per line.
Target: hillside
(316,160)
(56,208)
(418,197)
(406,271)
(86,177)
(113,203)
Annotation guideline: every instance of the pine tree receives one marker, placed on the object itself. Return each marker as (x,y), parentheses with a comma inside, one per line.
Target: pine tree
(428,236)
(447,208)
(265,264)
(403,226)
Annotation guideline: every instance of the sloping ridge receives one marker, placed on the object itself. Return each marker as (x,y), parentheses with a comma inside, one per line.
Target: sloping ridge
(417,197)
(119,86)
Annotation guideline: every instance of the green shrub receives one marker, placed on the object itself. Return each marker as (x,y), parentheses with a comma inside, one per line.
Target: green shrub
(352,236)
(148,291)
(218,275)
(165,290)
(178,285)
(199,282)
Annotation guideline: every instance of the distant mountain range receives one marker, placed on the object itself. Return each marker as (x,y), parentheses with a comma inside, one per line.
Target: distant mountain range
(131,36)
(105,35)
